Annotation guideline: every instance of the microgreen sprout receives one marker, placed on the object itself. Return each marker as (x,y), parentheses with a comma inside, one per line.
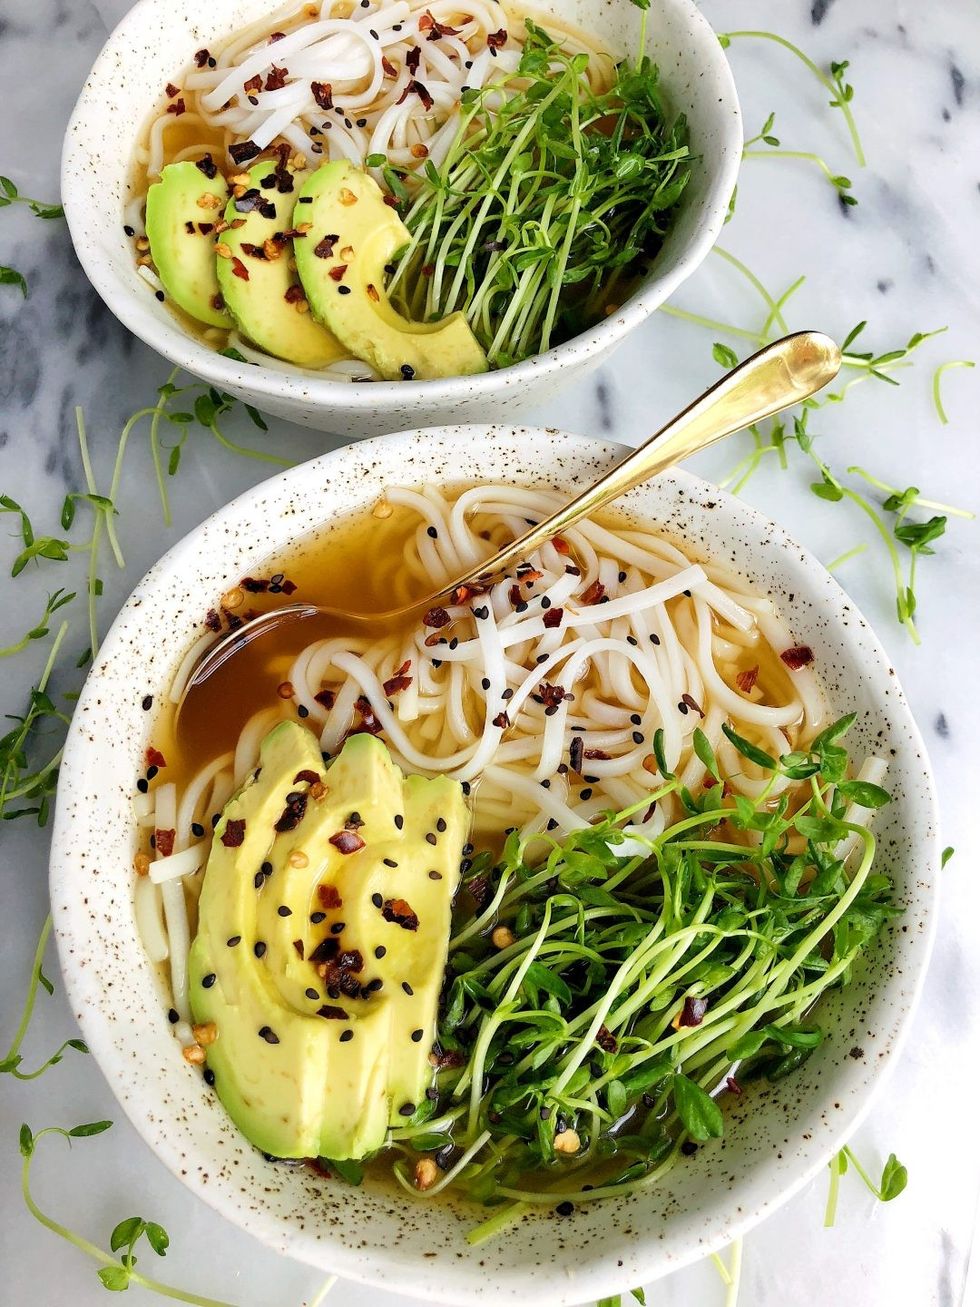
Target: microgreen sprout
(937,377)
(765,137)
(11,1063)
(894,1178)
(9,194)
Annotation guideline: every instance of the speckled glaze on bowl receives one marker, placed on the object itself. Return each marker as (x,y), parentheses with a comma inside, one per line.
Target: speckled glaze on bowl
(777,1137)
(158,37)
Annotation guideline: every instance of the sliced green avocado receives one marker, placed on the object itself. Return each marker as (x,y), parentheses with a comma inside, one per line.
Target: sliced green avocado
(318,961)
(342,267)
(263,293)
(181,211)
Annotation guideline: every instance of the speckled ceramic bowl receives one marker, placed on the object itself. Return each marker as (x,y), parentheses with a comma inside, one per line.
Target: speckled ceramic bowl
(777,1137)
(158,37)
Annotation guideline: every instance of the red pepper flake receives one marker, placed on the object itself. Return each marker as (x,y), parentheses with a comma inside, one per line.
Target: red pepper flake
(514,595)
(294,294)
(323,94)
(288,587)
(276,79)
(426,21)
(243,151)
(390,200)
(428,269)
(369,722)
(401,913)
(436,617)
(254,584)
(332,1013)
(399,681)
(388,67)
(747,679)
(326,699)
(799,656)
(293,813)
(253,84)
(552,695)
(594,755)
(213,621)
(576,752)
(606,1040)
(329,896)
(412,59)
(502,721)
(172,90)
(553,616)
(205,228)
(469,591)
(277,36)
(326,950)
(692,704)
(337,273)
(734,1086)
(447,1058)
(560,544)
(324,249)
(527,574)
(234,834)
(306,775)
(594,593)
(497,40)
(201,57)
(694,1010)
(208,166)
(417,88)
(164,842)
(239,269)
(177,108)
(300,948)
(347,841)
(154,758)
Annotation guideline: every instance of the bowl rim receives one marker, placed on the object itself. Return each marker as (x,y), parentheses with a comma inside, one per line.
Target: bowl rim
(174,343)
(443,1280)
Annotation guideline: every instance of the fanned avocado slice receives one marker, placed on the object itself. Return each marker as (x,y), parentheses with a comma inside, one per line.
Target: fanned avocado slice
(342,267)
(182,209)
(322,942)
(261,291)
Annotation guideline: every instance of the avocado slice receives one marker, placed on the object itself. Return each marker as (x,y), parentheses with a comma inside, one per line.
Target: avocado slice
(318,961)
(342,263)
(261,291)
(182,209)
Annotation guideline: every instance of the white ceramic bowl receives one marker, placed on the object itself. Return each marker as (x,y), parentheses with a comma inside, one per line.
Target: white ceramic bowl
(777,1137)
(158,37)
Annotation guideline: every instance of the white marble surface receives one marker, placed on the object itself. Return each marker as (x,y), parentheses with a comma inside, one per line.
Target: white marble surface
(906,259)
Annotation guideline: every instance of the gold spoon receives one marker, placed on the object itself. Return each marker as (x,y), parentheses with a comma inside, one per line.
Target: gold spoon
(782,374)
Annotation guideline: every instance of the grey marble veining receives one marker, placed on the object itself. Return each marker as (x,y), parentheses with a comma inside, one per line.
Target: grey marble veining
(905,259)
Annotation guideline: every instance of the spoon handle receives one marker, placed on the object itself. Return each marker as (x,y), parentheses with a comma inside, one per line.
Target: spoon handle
(778,376)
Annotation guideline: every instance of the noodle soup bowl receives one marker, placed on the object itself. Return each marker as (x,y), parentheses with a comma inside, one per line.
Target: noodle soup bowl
(777,1136)
(158,38)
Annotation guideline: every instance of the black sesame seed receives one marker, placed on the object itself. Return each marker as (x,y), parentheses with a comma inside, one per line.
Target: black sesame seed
(407,988)
(631,639)
(682,708)
(129,231)
(432,1094)
(585,794)
(407,371)
(544,1113)
(259,879)
(215,818)
(636,719)
(312,993)
(437,662)
(333,991)
(151,772)
(269,1035)
(208,1076)
(417,1036)
(399,821)
(142,785)
(481,612)
(284,911)
(430,838)
(259,949)
(541,658)
(407,1109)
(380,951)
(362,122)
(266,868)
(389,862)
(208,980)
(338,927)
(465,787)
(552,824)
(197,830)
(545,601)
(467,849)
(147,703)
(432,533)
(521,607)
(344,290)
(235,939)
(374,985)
(346,1036)
(377,900)
(173,1016)
(317,917)
(373,33)
(485,683)
(637,737)
(302,710)
(654,638)
(546,785)
(689,1148)
(161,297)
(440,824)
(435,875)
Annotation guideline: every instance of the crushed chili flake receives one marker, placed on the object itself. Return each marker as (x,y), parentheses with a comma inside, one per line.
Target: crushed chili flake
(172,90)
(372,293)
(243,151)
(293,813)
(369,722)
(733,1085)
(593,593)
(445,1058)
(514,595)
(154,758)
(337,273)
(595,755)
(300,948)
(400,912)
(234,834)
(390,200)
(502,721)
(576,752)
(347,841)
(208,166)
(254,584)
(324,249)
(332,1013)
(799,656)
(468,591)
(294,294)
(560,545)
(388,67)
(323,94)
(553,616)
(306,775)
(693,1011)
(400,680)
(165,842)
(201,57)
(412,59)
(326,950)
(747,679)
(606,1040)
(436,617)
(418,88)
(212,621)
(276,79)
(329,896)
(497,40)
(326,699)
(552,695)
(693,704)
(177,108)
(253,83)
(278,36)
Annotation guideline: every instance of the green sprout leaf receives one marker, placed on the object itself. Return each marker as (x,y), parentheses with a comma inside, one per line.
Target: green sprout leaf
(698,1111)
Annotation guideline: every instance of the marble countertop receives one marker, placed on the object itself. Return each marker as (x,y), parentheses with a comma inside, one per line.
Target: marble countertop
(906,259)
